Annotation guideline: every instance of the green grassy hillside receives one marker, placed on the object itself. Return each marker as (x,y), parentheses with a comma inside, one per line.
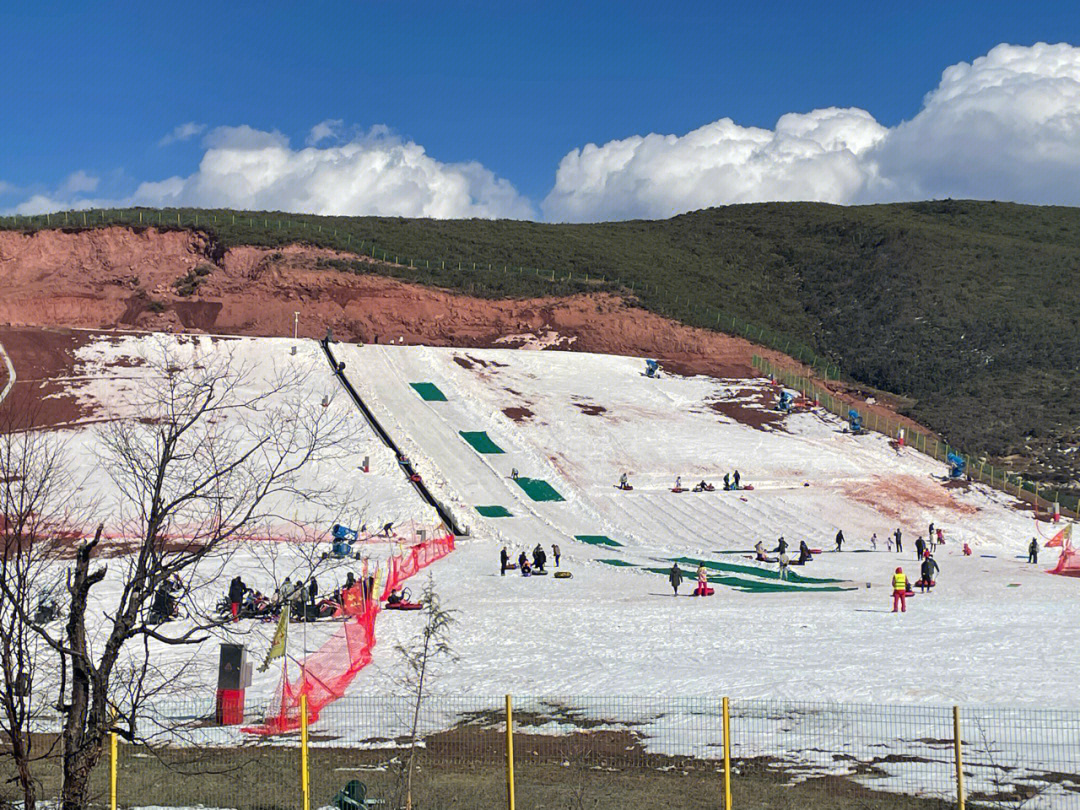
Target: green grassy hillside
(971,309)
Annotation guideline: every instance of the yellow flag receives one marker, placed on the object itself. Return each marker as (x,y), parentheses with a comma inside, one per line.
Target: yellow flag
(277,648)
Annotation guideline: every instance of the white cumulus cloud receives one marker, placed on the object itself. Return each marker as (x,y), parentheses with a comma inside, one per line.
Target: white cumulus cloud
(374,173)
(1006,126)
(817,155)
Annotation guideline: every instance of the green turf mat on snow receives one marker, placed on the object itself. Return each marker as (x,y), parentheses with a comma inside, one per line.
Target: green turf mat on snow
(538,489)
(480,441)
(429,392)
(494,511)
(619,563)
(754,584)
(597,540)
(754,571)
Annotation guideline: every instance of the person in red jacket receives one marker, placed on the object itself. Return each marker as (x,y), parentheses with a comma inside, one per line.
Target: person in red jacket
(899,591)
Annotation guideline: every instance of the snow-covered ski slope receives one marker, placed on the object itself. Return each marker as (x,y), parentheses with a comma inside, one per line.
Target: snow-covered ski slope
(994,630)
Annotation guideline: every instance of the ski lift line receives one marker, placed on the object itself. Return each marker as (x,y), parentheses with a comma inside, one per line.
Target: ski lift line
(444,514)
(10,373)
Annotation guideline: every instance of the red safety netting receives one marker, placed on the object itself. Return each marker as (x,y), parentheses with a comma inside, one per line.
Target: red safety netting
(326,674)
(1068,564)
(405,565)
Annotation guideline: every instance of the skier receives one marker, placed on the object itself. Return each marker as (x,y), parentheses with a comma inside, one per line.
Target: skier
(236,596)
(929,569)
(1033,552)
(899,541)
(839,540)
(784,562)
(899,591)
(735,478)
(675,578)
(781,545)
(556,553)
(504,558)
(920,547)
(539,557)
(873,542)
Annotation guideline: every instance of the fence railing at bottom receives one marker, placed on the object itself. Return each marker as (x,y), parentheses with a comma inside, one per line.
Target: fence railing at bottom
(601,752)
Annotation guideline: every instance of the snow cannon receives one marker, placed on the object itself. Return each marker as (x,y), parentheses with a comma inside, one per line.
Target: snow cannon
(340,532)
(957,465)
(652,368)
(854,421)
(786,400)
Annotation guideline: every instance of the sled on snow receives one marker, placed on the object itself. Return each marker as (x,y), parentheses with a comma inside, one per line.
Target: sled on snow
(706,488)
(706,591)
(678,489)
(404,606)
(563,575)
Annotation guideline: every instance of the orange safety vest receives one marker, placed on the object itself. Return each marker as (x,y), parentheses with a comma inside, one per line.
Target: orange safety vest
(899,582)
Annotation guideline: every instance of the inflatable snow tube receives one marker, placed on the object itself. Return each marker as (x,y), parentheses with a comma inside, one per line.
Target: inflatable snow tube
(563,575)
(404,606)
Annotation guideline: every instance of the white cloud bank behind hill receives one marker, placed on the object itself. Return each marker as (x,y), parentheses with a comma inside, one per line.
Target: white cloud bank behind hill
(1006,126)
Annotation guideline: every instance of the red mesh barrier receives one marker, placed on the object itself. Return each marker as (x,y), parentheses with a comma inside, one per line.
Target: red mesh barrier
(327,673)
(1068,563)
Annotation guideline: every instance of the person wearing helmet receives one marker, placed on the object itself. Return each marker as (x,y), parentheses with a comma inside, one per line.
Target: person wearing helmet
(900,587)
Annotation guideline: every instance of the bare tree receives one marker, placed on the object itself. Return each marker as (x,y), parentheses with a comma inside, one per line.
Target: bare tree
(34,513)
(212,453)
(420,656)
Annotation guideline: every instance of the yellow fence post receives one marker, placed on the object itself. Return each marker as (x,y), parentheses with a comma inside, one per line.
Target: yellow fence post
(509,754)
(305,777)
(959,759)
(112,770)
(727,754)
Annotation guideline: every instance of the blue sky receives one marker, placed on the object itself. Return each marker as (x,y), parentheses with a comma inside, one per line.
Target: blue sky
(512,86)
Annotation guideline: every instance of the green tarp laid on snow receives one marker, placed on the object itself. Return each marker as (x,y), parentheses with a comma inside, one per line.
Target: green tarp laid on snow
(597,540)
(494,511)
(538,489)
(480,441)
(429,392)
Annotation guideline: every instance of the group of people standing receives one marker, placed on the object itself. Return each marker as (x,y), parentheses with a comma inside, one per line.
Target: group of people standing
(527,566)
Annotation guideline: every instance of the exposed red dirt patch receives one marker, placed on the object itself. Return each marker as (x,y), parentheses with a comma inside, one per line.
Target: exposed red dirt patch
(590,409)
(897,496)
(44,361)
(750,406)
(518,414)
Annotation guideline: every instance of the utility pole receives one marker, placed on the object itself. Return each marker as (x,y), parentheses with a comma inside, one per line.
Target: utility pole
(295,324)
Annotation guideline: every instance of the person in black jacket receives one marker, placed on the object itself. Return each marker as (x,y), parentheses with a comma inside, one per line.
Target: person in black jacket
(804,553)
(313,590)
(920,547)
(899,541)
(504,559)
(1033,552)
(781,545)
(236,596)
(839,540)
(929,570)
(539,557)
(675,578)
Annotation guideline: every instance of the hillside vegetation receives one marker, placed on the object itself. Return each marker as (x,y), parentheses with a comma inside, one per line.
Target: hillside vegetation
(970,309)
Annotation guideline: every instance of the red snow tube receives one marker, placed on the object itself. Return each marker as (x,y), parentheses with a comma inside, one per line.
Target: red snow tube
(403,606)
(706,591)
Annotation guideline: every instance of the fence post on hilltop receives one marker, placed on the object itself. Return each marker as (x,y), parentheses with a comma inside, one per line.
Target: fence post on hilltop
(959,759)
(305,776)
(509,753)
(726,710)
